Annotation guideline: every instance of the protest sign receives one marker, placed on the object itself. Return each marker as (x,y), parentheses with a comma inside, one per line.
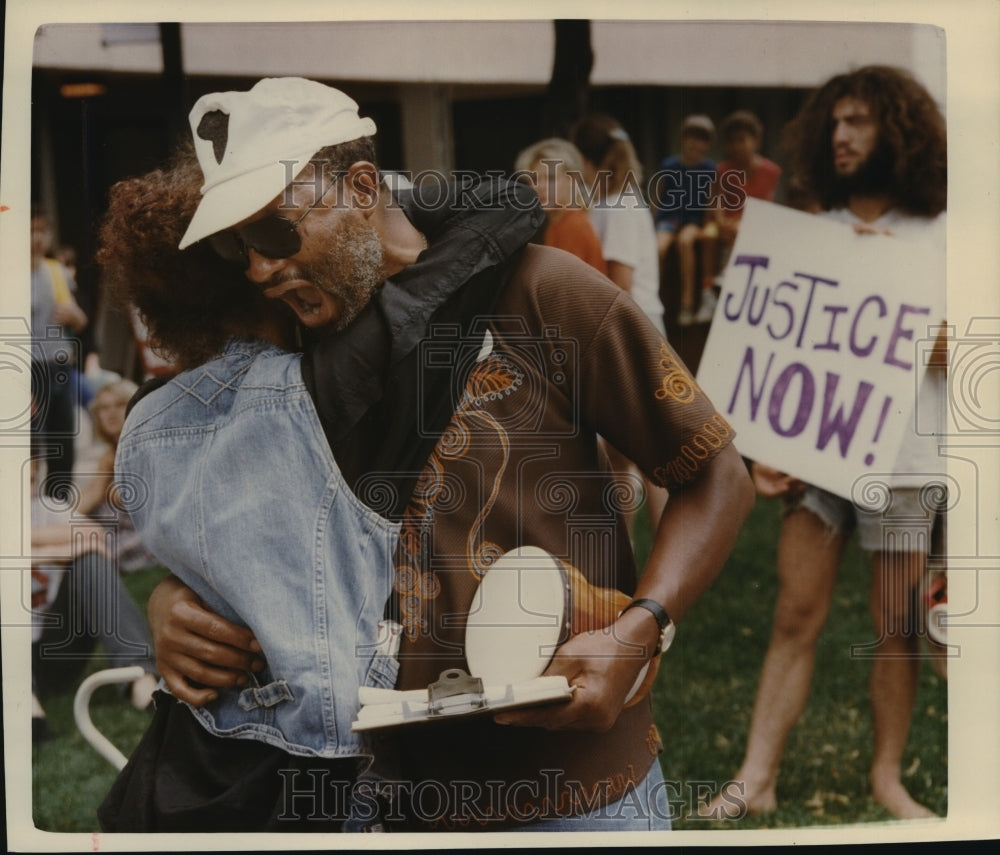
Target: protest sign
(814,351)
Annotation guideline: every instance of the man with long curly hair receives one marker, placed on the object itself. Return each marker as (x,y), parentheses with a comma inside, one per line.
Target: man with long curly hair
(868,148)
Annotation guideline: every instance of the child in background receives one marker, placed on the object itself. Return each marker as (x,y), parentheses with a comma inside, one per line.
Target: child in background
(554,167)
(745,173)
(683,195)
(97,496)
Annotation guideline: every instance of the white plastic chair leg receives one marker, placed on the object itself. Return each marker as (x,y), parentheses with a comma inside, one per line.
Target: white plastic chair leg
(81,710)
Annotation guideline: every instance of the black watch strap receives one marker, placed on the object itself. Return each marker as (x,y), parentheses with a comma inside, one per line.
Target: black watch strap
(662,620)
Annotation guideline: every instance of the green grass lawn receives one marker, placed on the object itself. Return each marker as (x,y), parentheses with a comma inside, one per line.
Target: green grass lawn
(707,681)
(703,697)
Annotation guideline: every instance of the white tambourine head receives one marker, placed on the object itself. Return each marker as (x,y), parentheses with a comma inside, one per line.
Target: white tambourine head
(517,617)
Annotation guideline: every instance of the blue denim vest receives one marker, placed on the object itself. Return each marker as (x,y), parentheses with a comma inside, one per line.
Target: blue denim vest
(231,483)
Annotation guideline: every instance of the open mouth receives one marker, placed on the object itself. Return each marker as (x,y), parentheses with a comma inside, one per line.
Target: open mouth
(307,306)
(313,306)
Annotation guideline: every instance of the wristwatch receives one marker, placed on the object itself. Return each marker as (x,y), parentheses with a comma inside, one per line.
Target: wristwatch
(667,627)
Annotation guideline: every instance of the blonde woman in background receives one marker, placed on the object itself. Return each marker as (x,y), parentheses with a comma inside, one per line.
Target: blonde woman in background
(619,212)
(554,168)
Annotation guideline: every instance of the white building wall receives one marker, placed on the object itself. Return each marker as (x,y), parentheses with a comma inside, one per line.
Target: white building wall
(719,53)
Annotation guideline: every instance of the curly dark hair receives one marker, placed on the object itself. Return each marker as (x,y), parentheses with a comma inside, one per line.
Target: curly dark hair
(191,301)
(911,132)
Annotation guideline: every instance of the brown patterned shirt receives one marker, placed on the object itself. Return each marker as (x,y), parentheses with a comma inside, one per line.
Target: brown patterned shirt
(567,357)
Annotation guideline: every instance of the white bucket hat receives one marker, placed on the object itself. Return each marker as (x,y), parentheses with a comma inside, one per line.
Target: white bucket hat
(250,145)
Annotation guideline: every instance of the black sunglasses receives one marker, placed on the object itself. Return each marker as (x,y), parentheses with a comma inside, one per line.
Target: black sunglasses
(274,236)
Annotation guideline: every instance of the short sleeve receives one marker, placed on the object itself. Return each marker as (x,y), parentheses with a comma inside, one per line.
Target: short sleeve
(633,388)
(646,403)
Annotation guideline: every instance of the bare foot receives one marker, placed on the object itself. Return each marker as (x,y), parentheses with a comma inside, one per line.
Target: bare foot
(889,792)
(740,797)
(142,691)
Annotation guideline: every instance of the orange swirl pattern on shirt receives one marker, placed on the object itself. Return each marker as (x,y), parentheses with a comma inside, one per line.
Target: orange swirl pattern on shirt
(677,384)
(653,741)
(416,587)
(712,436)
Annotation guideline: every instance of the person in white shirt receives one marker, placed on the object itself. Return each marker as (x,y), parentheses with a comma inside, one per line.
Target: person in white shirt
(869,148)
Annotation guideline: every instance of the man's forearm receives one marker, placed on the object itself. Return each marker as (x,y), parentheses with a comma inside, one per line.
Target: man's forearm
(696,534)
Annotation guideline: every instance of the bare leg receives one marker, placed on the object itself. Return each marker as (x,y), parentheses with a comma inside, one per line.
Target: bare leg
(808,557)
(707,243)
(895,674)
(685,254)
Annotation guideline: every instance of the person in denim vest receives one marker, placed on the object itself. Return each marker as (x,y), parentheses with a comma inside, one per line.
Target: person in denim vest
(228,475)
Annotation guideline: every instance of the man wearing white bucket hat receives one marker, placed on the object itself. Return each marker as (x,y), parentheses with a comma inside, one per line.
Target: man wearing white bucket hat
(481,430)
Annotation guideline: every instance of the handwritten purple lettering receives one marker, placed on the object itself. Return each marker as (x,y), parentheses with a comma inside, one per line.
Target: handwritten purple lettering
(800,307)
(791,402)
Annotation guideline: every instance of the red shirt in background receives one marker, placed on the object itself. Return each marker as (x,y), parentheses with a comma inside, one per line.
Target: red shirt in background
(758,184)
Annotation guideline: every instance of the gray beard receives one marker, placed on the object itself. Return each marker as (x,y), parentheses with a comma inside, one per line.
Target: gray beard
(353,269)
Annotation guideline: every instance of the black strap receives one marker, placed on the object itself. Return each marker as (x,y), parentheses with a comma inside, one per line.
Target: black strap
(657,611)
(654,608)
(382,401)
(381,445)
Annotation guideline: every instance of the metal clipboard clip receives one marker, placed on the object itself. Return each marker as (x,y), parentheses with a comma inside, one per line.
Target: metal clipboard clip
(455,691)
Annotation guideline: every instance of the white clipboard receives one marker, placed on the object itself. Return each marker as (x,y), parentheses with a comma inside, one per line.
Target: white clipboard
(522,611)
(518,617)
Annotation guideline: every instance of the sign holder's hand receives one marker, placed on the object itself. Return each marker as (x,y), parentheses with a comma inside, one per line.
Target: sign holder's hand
(771,482)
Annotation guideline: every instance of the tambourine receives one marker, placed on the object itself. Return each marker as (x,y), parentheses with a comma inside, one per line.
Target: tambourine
(528,604)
